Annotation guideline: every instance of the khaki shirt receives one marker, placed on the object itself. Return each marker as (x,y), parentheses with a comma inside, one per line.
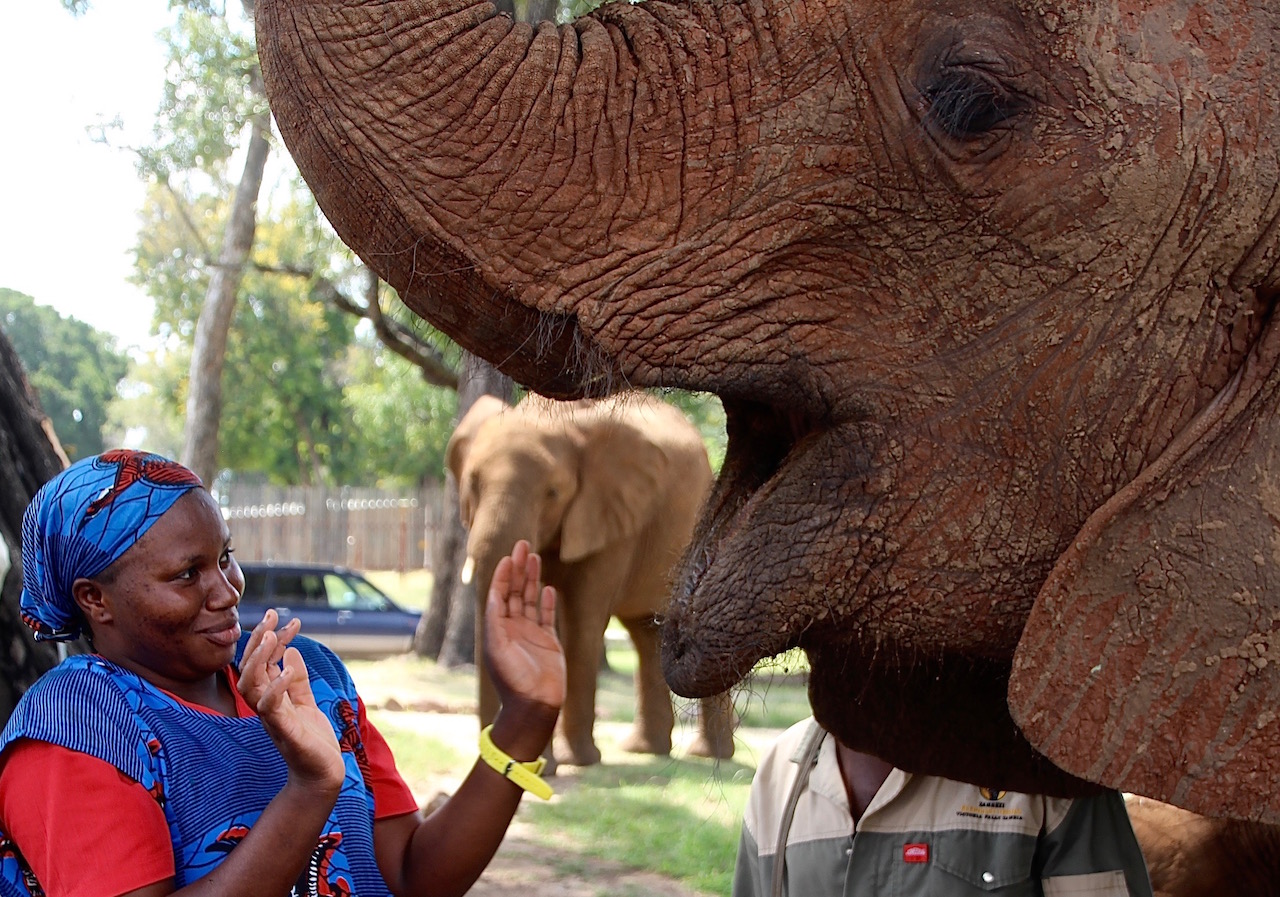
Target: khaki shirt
(925,836)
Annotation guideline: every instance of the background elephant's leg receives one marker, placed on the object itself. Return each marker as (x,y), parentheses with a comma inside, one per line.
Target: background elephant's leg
(654,716)
(582,625)
(715,727)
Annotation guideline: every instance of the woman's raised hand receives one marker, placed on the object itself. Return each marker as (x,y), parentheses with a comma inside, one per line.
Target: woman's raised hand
(273,680)
(521,647)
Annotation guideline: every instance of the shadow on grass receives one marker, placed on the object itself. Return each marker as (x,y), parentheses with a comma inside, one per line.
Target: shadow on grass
(676,817)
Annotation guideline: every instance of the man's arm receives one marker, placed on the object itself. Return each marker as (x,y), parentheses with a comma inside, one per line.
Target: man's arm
(1093,844)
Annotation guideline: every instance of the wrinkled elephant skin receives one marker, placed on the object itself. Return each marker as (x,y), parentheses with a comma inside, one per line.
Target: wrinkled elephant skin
(986,288)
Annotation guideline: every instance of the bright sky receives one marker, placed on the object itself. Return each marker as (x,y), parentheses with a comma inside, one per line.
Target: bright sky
(68,206)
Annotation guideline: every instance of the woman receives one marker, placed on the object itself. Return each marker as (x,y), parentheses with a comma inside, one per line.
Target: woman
(179,757)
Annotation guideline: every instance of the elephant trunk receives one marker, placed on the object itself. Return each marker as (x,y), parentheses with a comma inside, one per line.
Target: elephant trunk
(512,181)
(495,529)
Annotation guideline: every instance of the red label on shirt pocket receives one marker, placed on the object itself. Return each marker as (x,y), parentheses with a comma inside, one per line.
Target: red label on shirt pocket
(915,853)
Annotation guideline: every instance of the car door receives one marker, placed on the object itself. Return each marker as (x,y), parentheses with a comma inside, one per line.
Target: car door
(301,594)
(365,621)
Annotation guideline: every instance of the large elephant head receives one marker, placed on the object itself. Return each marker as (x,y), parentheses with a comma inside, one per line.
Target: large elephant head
(986,287)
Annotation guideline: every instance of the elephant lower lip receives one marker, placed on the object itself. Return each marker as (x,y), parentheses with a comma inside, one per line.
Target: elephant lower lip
(710,641)
(760,441)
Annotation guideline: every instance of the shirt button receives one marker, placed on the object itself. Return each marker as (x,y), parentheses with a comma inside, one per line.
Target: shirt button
(988,877)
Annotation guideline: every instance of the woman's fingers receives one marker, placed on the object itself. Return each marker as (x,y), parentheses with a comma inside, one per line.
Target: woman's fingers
(284,635)
(547,609)
(528,600)
(299,687)
(272,696)
(517,581)
(255,667)
(265,625)
(274,640)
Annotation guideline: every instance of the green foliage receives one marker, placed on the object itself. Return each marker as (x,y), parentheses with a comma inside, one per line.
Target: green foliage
(73,368)
(283,406)
(283,415)
(309,396)
(304,399)
(404,423)
(571,9)
(148,411)
(707,414)
(210,93)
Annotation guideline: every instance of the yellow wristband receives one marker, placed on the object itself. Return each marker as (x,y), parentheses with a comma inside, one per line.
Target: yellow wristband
(526,774)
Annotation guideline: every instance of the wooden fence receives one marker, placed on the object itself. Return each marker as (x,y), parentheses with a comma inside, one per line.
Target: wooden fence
(367,529)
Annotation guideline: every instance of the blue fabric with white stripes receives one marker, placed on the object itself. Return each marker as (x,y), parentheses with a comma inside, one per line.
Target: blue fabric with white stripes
(213,775)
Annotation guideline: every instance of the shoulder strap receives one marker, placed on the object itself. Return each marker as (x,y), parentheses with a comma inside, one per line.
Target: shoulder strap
(806,756)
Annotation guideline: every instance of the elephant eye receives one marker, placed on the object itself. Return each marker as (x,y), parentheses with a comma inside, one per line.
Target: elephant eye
(968,104)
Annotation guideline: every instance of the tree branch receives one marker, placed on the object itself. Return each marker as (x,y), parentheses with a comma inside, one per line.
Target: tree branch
(394,335)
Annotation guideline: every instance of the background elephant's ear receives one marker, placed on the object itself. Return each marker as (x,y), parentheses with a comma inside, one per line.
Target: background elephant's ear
(621,481)
(1151,659)
(455,454)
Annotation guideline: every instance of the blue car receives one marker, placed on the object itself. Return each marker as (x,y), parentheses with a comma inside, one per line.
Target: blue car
(338,607)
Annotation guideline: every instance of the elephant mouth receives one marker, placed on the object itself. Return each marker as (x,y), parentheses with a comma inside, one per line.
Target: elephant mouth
(712,633)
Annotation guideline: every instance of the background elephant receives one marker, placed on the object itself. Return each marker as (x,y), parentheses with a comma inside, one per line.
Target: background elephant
(987,288)
(608,492)
(1194,856)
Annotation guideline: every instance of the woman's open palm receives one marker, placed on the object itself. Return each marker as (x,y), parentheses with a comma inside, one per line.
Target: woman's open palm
(522,650)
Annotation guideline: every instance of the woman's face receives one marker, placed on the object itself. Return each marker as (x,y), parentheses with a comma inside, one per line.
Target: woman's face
(166,609)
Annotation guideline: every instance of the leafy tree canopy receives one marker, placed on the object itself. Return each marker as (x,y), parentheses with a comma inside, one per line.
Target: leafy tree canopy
(404,422)
(316,385)
(707,414)
(283,413)
(73,368)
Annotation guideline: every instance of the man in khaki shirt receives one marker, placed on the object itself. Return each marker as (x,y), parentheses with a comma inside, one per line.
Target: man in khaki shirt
(855,826)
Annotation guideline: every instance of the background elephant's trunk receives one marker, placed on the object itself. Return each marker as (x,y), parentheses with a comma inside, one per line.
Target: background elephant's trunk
(494,531)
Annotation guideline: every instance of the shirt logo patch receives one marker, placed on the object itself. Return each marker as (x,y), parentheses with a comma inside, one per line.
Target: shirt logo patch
(991,805)
(915,853)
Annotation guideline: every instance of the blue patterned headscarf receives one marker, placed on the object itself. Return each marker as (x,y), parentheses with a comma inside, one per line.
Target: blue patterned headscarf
(81,521)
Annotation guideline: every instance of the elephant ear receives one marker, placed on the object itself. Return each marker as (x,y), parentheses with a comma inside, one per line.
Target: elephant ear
(483,409)
(622,474)
(1151,658)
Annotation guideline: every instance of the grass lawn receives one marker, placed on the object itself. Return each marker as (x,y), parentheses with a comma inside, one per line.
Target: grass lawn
(677,815)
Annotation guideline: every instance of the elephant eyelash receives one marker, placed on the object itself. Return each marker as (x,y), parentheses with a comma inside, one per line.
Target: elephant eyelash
(967,105)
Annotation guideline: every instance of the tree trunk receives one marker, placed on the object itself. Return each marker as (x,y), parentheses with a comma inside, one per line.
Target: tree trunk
(445,564)
(478,378)
(541,11)
(29,455)
(204,395)
(533,11)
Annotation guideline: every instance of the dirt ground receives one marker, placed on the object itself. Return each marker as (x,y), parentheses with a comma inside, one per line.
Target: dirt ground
(523,866)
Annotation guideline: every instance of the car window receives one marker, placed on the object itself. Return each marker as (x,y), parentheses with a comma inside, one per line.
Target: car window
(300,590)
(348,593)
(255,586)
